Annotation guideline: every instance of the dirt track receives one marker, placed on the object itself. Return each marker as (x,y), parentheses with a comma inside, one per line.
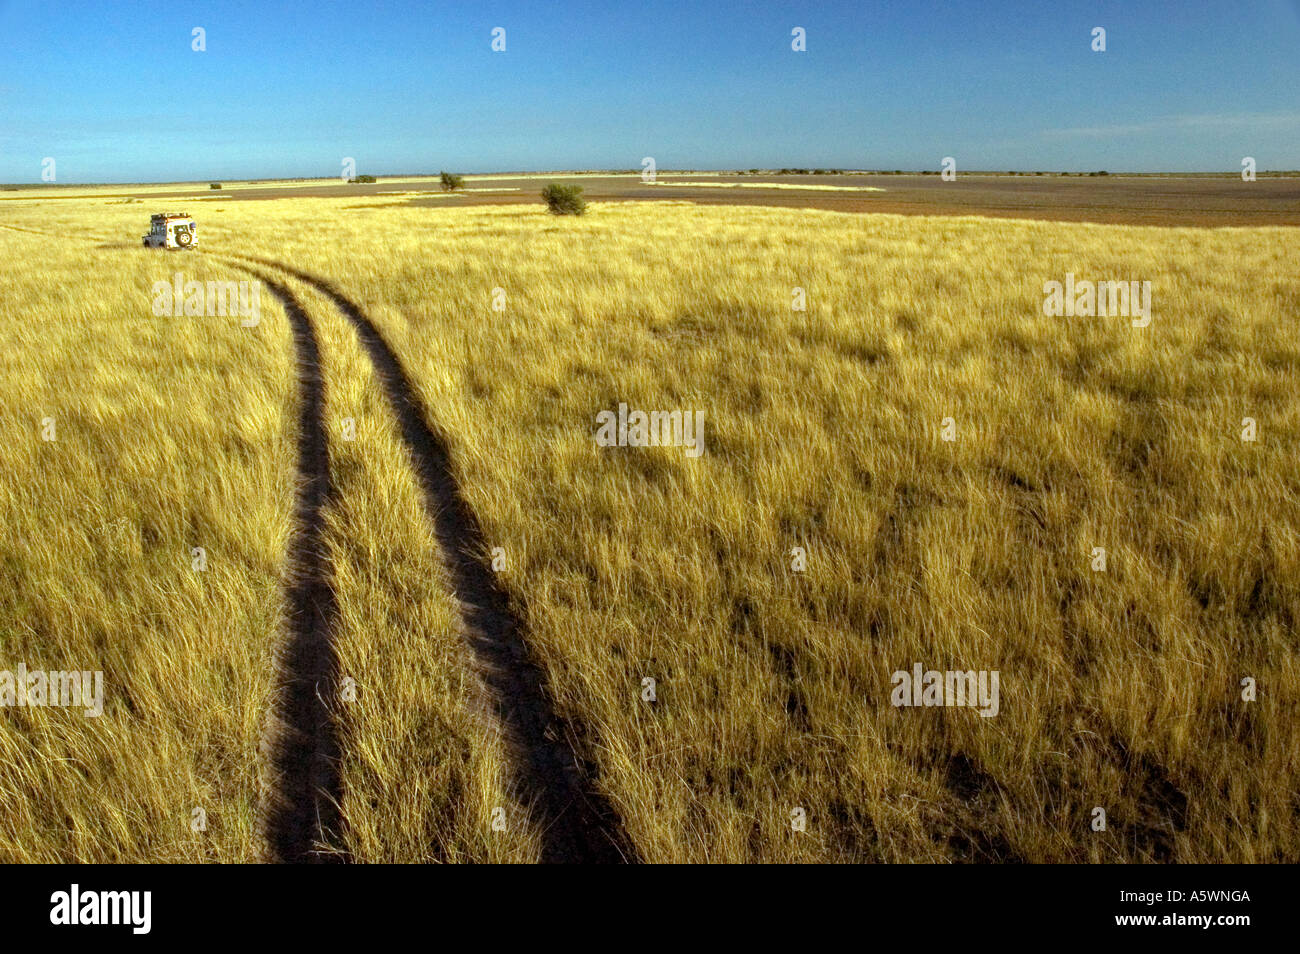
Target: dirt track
(577,824)
(303,817)
(302,746)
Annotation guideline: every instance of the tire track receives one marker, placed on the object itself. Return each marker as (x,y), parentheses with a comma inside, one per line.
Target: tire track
(578,824)
(19,228)
(302,814)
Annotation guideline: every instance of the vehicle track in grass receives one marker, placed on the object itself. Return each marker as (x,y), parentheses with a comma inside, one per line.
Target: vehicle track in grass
(19,228)
(302,815)
(577,823)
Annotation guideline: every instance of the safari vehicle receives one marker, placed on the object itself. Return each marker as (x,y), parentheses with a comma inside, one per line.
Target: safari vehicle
(172,230)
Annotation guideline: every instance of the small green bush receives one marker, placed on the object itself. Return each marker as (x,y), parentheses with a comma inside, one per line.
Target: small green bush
(451,182)
(214,185)
(564,199)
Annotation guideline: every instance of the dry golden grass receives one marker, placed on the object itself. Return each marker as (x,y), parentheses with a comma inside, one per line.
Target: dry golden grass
(170,434)
(423,764)
(804,186)
(1119,689)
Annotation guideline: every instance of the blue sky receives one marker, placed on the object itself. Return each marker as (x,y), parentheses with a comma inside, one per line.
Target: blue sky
(114,92)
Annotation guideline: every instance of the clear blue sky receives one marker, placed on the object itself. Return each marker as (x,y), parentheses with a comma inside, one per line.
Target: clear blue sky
(114,92)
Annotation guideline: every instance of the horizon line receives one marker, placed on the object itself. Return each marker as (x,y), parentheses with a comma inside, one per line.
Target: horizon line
(785,170)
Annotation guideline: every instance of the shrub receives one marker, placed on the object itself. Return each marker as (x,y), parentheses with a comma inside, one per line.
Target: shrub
(362,179)
(451,182)
(564,199)
(214,185)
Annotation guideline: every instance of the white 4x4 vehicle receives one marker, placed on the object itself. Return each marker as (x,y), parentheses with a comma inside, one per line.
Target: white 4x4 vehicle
(172,230)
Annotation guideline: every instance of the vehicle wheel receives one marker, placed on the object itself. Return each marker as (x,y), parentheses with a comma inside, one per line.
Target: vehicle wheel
(184,239)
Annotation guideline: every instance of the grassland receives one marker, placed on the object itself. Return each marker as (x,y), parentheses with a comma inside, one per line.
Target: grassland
(168,434)
(423,764)
(1120,689)
(806,186)
(1182,201)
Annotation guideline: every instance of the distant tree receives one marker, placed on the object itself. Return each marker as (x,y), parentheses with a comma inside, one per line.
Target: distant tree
(451,182)
(564,199)
(214,185)
(362,179)
(753,172)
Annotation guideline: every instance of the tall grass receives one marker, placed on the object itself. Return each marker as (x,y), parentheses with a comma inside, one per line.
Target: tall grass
(1120,689)
(170,434)
(424,767)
